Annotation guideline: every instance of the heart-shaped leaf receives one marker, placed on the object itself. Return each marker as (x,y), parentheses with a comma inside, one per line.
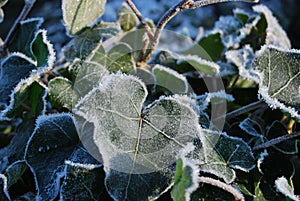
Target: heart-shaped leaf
(14,68)
(53,140)
(279,78)
(24,36)
(136,144)
(118,58)
(82,13)
(127,18)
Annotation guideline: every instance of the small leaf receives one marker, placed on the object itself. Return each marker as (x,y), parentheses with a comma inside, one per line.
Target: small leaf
(285,188)
(60,92)
(118,58)
(14,68)
(136,144)
(85,42)
(4,195)
(279,78)
(82,13)
(42,50)
(53,140)
(127,18)
(24,36)
(15,171)
(275,34)
(170,80)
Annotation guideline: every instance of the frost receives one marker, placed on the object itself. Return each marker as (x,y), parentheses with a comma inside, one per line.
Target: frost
(218,95)
(83,166)
(285,188)
(261,159)
(247,125)
(4,186)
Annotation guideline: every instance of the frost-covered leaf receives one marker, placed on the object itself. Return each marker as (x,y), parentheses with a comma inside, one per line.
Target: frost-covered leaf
(2,3)
(186,180)
(42,50)
(24,36)
(60,92)
(12,70)
(275,34)
(29,93)
(136,144)
(285,188)
(52,142)
(15,171)
(4,195)
(82,13)
(127,18)
(279,78)
(86,41)
(250,126)
(170,80)
(118,58)
(209,48)
(276,130)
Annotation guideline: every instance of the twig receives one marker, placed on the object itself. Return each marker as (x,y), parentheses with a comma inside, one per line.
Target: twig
(25,11)
(246,108)
(172,12)
(238,196)
(141,19)
(276,141)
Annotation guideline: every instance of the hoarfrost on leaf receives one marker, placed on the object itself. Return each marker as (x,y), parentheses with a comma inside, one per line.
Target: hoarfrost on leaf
(4,194)
(285,188)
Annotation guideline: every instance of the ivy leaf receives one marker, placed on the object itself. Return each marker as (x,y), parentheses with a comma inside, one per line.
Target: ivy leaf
(170,80)
(28,93)
(14,68)
(53,140)
(85,42)
(15,171)
(80,14)
(118,58)
(2,3)
(275,35)
(60,92)
(276,130)
(285,188)
(42,50)
(279,78)
(127,18)
(4,195)
(136,144)
(24,36)
(186,180)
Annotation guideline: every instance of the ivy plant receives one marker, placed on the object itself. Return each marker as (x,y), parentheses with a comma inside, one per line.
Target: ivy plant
(120,114)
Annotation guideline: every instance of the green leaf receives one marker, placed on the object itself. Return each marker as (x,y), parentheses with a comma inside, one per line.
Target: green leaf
(127,18)
(24,36)
(85,42)
(170,80)
(53,140)
(4,195)
(28,93)
(136,144)
(275,35)
(209,48)
(42,50)
(276,130)
(82,13)
(15,171)
(118,58)
(185,181)
(285,188)
(279,78)
(60,92)
(14,68)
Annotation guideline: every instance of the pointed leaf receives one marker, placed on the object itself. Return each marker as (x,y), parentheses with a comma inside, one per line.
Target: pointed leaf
(127,18)
(285,188)
(24,36)
(136,145)
(53,140)
(12,70)
(42,50)
(15,171)
(279,79)
(60,92)
(82,13)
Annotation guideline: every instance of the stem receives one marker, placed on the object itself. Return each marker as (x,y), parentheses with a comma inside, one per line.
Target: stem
(25,11)
(242,110)
(172,12)
(237,195)
(141,19)
(276,141)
